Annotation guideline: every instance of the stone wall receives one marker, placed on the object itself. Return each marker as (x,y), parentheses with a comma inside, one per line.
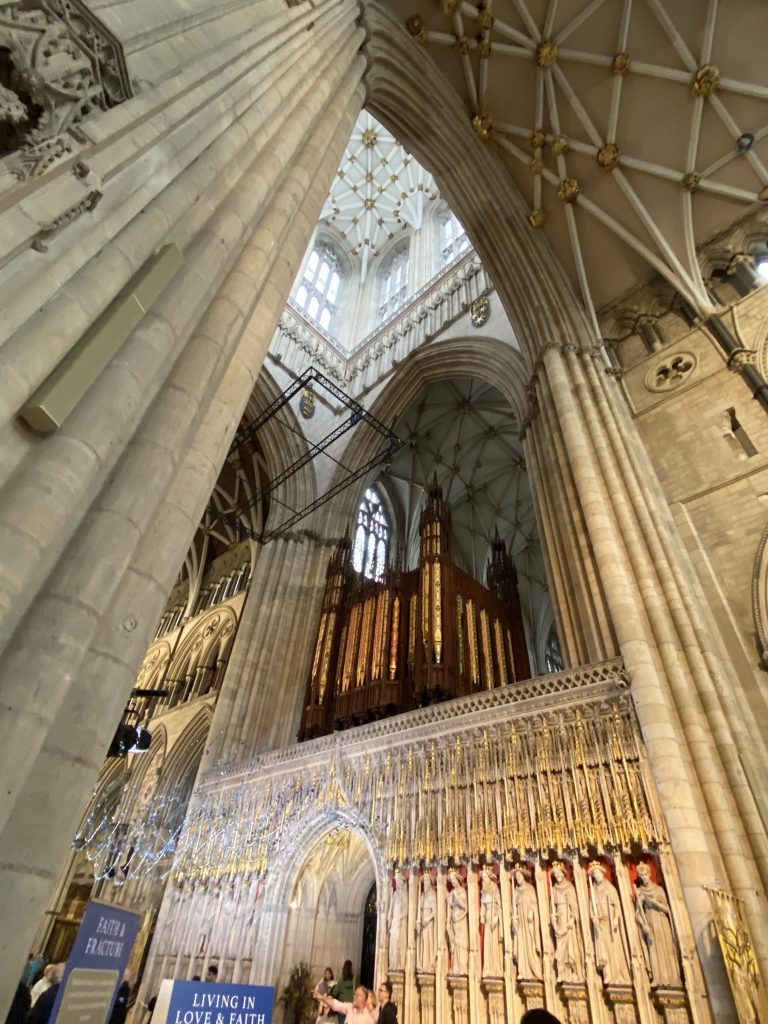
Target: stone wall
(707,439)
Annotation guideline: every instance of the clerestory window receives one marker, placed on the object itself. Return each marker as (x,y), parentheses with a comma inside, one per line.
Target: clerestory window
(394,282)
(318,292)
(552,654)
(453,239)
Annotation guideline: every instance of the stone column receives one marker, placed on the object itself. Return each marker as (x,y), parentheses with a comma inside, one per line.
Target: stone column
(425,982)
(621,1000)
(583,619)
(673,663)
(458,986)
(672,1005)
(531,994)
(576,1002)
(398,991)
(493,990)
(231,159)
(260,702)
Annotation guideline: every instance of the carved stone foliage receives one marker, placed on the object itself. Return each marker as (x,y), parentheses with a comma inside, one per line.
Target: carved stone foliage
(58,64)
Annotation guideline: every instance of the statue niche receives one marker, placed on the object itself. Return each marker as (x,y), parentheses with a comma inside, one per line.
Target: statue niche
(414,638)
(564,921)
(426,925)
(654,921)
(611,950)
(490,919)
(457,923)
(397,922)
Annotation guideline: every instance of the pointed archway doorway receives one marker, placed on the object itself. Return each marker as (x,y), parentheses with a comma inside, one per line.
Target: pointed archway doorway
(368,948)
(329,919)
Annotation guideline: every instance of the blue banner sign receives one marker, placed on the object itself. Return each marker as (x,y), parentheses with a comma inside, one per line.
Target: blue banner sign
(215,1002)
(95,966)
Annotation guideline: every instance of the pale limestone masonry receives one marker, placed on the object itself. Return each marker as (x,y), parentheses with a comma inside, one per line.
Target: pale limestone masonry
(239,119)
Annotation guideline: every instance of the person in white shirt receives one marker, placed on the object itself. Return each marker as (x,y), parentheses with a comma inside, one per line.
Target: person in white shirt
(355,1012)
(45,982)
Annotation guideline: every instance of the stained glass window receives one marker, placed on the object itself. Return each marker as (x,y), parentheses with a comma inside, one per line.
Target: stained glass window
(369,551)
(453,239)
(318,292)
(394,282)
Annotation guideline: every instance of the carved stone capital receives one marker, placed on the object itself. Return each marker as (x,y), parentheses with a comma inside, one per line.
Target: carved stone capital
(576,1001)
(741,357)
(532,994)
(621,1000)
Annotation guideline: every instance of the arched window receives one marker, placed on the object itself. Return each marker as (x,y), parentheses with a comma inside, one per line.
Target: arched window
(394,282)
(552,655)
(369,551)
(318,292)
(453,239)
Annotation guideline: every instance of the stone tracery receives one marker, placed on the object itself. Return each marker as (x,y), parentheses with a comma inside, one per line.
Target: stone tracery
(62,65)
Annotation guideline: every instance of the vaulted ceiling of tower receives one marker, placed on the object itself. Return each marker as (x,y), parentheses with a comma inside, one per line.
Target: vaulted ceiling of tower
(379,191)
(634,130)
(464,432)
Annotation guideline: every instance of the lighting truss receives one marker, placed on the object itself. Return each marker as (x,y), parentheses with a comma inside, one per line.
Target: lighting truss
(390,443)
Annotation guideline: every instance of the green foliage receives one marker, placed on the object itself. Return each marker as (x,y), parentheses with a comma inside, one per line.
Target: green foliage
(296,1000)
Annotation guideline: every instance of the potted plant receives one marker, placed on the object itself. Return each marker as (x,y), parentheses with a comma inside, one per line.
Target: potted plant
(298,1005)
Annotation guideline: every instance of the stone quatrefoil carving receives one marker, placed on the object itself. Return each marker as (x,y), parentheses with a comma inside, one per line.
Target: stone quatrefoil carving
(671,373)
(58,64)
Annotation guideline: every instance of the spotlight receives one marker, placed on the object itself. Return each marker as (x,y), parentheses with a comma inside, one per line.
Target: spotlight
(141,742)
(129,739)
(744,142)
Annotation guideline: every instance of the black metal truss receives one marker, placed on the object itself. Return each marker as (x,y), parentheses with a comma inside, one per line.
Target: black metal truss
(357,414)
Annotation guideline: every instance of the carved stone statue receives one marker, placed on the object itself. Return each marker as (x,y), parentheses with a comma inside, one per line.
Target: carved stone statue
(426,925)
(490,918)
(397,921)
(457,924)
(608,928)
(564,919)
(654,921)
(526,935)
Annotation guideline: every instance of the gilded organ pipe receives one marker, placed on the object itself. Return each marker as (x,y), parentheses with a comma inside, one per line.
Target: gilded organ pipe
(460,635)
(351,648)
(341,664)
(327,650)
(394,638)
(364,649)
(412,613)
(485,634)
(510,654)
(437,611)
(425,604)
(318,652)
(500,660)
(474,661)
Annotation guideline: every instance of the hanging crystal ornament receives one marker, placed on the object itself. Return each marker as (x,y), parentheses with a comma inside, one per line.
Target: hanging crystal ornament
(133,840)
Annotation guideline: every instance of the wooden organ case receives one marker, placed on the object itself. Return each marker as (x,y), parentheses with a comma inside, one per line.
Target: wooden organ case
(414,638)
